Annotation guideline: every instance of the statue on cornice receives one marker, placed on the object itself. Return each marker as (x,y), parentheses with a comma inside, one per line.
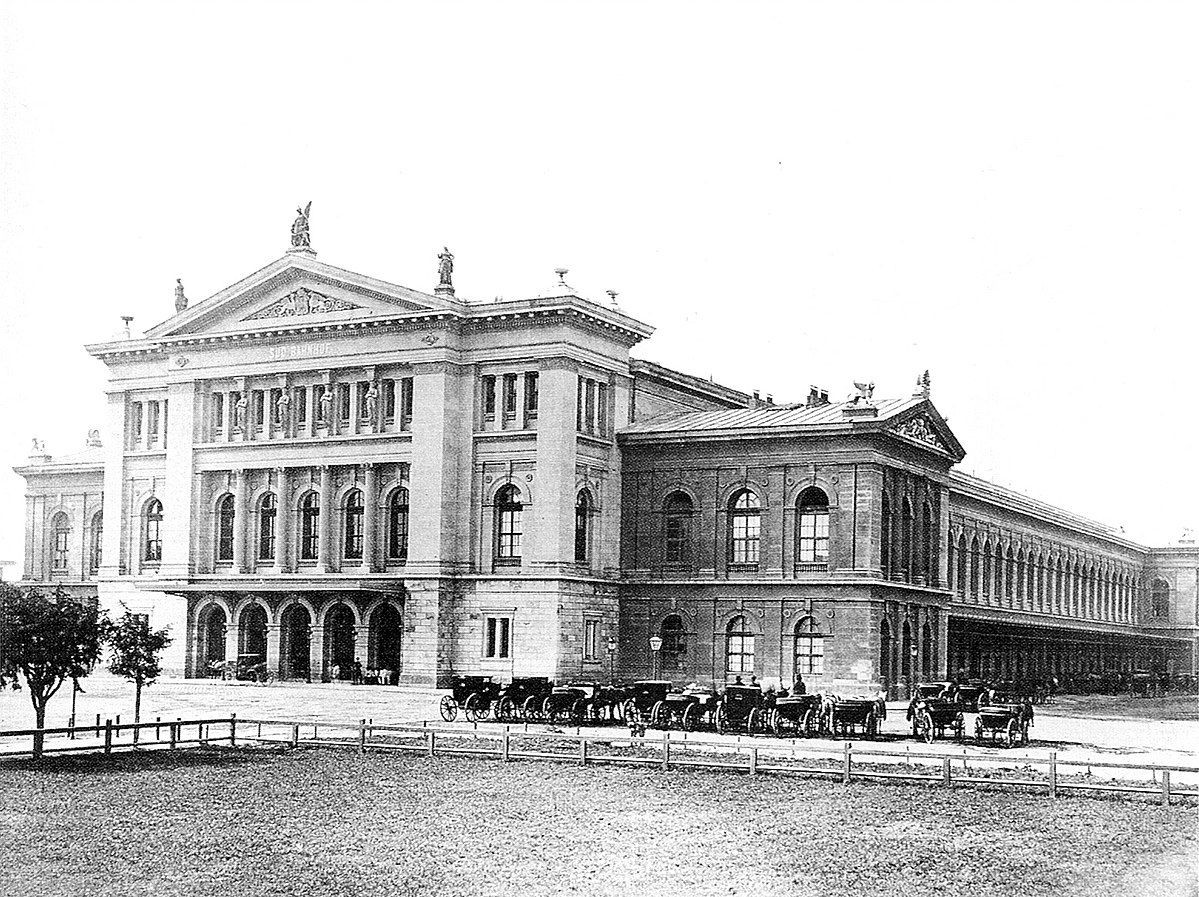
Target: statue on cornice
(372,402)
(865,393)
(283,409)
(327,405)
(445,267)
(299,229)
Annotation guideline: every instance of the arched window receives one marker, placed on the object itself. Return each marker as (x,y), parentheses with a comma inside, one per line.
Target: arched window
(508,509)
(739,648)
(809,648)
(353,525)
(988,570)
(582,526)
(60,536)
(885,538)
(268,512)
(310,526)
(813,526)
(905,652)
(97,546)
(224,528)
(745,528)
(677,528)
(1161,599)
(962,558)
(975,569)
(674,645)
(1009,573)
(397,525)
(152,543)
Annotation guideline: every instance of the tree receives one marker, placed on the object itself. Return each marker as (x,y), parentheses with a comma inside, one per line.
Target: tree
(48,640)
(135,650)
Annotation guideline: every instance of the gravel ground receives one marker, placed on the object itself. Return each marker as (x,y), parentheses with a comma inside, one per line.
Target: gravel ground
(331,823)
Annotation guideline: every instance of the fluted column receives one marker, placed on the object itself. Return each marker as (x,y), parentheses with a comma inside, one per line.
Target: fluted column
(240,513)
(325,542)
(283,517)
(370,520)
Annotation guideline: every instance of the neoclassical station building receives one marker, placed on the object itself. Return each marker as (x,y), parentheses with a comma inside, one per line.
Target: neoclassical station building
(316,467)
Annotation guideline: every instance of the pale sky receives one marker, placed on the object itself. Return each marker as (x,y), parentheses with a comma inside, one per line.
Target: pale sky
(793,194)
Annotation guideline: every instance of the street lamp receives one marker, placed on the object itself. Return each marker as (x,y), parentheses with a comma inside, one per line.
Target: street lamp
(655,645)
(612,661)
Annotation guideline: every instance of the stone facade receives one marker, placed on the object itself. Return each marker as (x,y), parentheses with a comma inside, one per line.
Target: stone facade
(314,467)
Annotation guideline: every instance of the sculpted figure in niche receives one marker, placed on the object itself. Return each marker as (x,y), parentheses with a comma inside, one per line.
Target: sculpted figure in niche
(239,412)
(372,402)
(327,405)
(283,409)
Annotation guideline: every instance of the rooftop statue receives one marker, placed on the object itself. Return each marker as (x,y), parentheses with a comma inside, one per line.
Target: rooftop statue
(299,229)
(865,393)
(180,299)
(445,267)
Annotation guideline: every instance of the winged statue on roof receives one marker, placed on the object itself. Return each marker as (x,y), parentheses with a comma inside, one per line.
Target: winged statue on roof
(299,228)
(865,392)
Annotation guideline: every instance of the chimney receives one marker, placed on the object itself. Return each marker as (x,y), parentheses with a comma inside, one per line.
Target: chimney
(756,401)
(769,399)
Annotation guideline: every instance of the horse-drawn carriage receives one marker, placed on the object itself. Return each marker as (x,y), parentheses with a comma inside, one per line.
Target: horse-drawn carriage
(521,699)
(475,695)
(685,709)
(639,698)
(741,709)
(973,695)
(931,718)
(796,715)
(847,716)
(1004,722)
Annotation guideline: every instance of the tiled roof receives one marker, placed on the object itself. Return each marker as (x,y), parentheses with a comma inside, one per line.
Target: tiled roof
(768,417)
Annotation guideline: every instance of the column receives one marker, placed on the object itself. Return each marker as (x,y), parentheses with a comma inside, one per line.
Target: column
(283,518)
(240,513)
(323,564)
(316,652)
(178,492)
(362,644)
(231,645)
(370,520)
(272,648)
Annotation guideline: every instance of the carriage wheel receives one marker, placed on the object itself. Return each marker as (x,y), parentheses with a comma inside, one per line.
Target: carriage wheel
(472,709)
(529,710)
(505,710)
(690,717)
(1012,735)
(776,724)
(810,725)
(629,710)
(722,721)
(545,710)
(871,725)
(449,708)
(753,724)
(925,729)
(657,715)
(578,712)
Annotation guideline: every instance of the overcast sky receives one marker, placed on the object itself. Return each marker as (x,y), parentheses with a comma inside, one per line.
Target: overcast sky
(793,194)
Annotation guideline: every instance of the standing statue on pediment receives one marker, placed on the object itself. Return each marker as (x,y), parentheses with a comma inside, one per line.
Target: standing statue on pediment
(299,229)
(445,268)
(327,406)
(239,412)
(180,299)
(283,409)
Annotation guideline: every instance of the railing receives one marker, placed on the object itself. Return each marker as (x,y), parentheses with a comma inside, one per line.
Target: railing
(847,761)
(108,736)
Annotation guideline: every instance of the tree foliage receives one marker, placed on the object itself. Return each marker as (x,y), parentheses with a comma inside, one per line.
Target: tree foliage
(136,648)
(47,640)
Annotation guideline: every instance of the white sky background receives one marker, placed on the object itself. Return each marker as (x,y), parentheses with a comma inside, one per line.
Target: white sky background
(793,194)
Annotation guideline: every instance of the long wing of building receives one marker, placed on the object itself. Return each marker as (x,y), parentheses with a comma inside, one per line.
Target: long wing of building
(314,469)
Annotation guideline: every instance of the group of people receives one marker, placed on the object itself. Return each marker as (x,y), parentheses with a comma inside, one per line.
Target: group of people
(360,676)
(797,687)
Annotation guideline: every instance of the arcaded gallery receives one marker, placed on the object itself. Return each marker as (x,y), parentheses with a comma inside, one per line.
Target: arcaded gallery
(316,467)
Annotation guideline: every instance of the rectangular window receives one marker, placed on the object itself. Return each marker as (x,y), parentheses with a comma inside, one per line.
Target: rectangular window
(218,411)
(579,406)
(530,395)
(499,638)
(259,408)
(509,395)
(601,408)
(809,655)
(405,403)
(489,395)
(153,420)
(741,653)
(59,559)
(813,538)
(746,538)
(137,422)
(301,403)
(343,404)
(591,649)
(589,418)
(389,399)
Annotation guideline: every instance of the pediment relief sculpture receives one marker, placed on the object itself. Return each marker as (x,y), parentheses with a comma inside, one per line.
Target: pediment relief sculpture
(921,430)
(303,302)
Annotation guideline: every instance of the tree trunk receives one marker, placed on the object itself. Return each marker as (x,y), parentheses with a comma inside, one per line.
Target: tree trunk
(137,710)
(39,716)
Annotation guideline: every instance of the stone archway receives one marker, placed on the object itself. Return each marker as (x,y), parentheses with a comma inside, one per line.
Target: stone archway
(386,640)
(295,634)
(251,635)
(210,637)
(339,641)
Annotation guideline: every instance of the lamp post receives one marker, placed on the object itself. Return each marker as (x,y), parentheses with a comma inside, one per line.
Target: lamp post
(612,661)
(655,645)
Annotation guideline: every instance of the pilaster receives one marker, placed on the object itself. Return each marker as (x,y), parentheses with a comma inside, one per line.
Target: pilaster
(115,512)
(325,534)
(178,492)
(557,454)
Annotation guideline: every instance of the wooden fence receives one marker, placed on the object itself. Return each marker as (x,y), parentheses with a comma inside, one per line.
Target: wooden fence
(847,761)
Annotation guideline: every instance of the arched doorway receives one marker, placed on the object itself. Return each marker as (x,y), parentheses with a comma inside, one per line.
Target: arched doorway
(386,634)
(339,642)
(295,641)
(210,638)
(252,632)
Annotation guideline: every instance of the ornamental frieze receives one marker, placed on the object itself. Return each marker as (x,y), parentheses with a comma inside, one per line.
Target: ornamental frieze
(918,428)
(303,302)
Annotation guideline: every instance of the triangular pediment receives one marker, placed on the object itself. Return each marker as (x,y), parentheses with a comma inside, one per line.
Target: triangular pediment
(924,426)
(301,290)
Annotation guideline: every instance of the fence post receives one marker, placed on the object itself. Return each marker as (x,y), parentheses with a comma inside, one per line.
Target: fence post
(1165,787)
(504,746)
(233,730)
(97,725)
(946,772)
(666,750)
(753,761)
(295,735)
(362,736)
(848,761)
(583,751)
(1053,774)
(432,739)
(108,736)
(173,735)
(158,728)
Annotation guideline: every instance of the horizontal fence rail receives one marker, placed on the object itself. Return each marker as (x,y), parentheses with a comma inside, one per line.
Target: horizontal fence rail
(107,736)
(847,761)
